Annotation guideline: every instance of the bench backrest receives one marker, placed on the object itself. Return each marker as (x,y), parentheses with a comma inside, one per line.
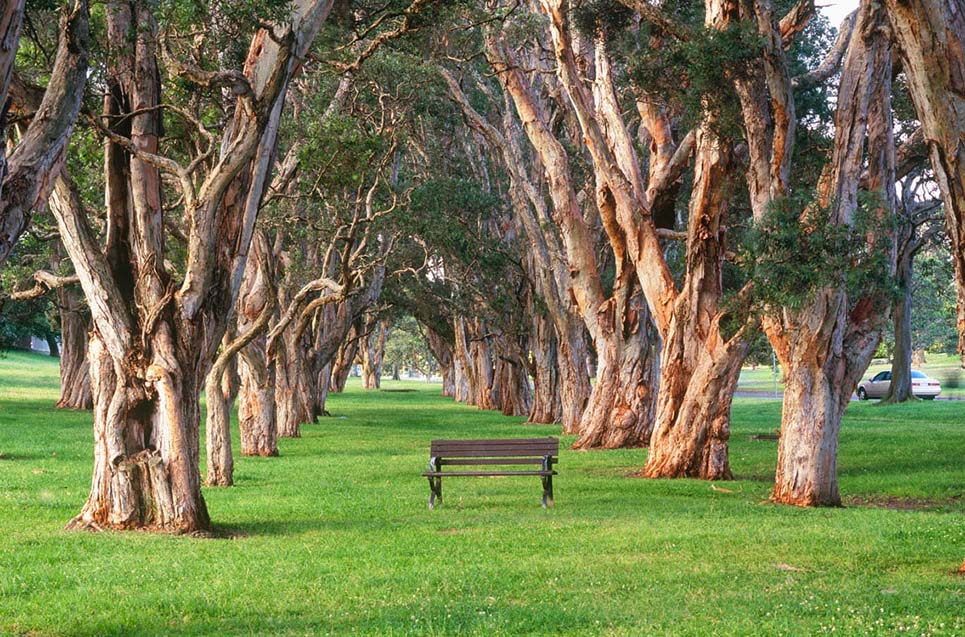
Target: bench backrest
(495,448)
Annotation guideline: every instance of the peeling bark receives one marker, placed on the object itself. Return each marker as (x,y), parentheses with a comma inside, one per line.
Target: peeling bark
(28,174)
(75,392)
(153,342)
(544,347)
(931,38)
(827,344)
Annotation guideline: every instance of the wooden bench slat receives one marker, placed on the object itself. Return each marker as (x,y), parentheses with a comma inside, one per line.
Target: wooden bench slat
(498,448)
(498,441)
(476,461)
(489,453)
(446,474)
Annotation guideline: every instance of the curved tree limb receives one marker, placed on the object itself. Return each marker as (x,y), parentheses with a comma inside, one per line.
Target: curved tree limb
(29,173)
(44,282)
(832,60)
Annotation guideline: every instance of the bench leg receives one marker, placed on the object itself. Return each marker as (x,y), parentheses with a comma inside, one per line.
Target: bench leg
(547,491)
(435,491)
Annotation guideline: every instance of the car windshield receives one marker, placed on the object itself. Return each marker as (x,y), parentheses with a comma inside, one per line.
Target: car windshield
(917,374)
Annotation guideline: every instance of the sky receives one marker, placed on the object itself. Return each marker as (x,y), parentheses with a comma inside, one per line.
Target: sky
(836,10)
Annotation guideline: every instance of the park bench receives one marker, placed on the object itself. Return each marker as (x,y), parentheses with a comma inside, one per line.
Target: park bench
(497,453)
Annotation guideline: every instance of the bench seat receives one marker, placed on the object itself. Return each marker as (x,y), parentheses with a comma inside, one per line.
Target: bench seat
(498,453)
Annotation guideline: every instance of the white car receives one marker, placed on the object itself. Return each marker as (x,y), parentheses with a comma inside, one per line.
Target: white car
(921,386)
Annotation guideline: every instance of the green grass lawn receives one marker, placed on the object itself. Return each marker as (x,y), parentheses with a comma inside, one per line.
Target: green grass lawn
(334,537)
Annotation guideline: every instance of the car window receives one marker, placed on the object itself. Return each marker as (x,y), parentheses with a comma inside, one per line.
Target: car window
(918,374)
(885,375)
(879,376)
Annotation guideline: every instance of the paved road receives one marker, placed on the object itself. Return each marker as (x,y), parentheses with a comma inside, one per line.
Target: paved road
(780,395)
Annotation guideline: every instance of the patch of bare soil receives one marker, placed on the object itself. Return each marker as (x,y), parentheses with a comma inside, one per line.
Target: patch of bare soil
(901,504)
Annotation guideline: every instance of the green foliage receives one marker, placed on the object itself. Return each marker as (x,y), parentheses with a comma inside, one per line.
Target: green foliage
(798,248)
(698,75)
(607,17)
(451,214)
(333,536)
(338,151)
(406,347)
(933,302)
(24,319)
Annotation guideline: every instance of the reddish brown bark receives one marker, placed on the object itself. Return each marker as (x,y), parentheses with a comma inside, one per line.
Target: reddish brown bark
(931,39)
(544,347)
(826,345)
(152,344)
(27,176)
(579,288)
(74,370)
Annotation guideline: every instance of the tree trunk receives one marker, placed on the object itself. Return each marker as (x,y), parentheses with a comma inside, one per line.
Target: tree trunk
(217,425)
(442,352)
(699,366)
(324,379)
(53,349)
(373,351)
(620,411)
(900,389)
(344,359)
(931,38)
(693,409)
(826,345)
(462,367)
(153,341)
(572,288)
(74,370)
(293,401)
(28,174)
(575,389)
(544,345)
(485,391)
(816,394)
(511,378)
(256,404)
(230,380)
(146,447)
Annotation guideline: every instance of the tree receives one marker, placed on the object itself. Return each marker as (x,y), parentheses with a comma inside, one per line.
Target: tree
(155,337)
(619,409)
(931,39)
(824,336)
(917,227)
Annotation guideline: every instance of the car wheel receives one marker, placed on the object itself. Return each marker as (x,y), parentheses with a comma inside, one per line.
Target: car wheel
(862,394)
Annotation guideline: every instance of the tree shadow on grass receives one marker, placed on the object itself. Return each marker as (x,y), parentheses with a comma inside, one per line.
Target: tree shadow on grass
(291,527)
(445,615)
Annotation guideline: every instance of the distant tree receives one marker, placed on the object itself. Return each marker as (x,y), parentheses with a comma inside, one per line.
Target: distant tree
(406,347)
